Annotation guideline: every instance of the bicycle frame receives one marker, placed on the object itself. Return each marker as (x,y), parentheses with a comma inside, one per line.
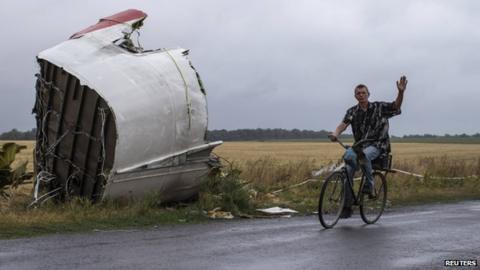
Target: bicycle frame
(356,197)
(371,207)
(343,169)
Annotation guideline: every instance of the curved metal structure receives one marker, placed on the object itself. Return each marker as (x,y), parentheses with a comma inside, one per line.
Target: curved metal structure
(114,120)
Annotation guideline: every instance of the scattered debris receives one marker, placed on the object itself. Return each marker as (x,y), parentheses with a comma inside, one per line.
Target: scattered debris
(253,193)
(216,213)
(277,211)
(324,170)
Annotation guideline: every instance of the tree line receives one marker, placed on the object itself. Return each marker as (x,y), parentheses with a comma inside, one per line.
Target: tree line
(265,134)
(14,134)
(259,134)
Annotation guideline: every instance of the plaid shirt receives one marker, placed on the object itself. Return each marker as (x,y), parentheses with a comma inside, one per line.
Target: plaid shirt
(372,124)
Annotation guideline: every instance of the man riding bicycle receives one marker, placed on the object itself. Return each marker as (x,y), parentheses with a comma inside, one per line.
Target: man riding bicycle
(369,122)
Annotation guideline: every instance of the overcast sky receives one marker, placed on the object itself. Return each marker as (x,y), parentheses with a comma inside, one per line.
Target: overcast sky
(279,64)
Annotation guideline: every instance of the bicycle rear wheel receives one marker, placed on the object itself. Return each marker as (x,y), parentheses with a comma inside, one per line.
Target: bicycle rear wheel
(332,199)
(372,208)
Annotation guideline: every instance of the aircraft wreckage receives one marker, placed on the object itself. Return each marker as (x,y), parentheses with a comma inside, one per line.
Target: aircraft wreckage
(115,120)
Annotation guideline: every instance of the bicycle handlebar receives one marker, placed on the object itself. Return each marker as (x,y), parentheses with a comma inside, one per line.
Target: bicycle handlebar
(343,145)
(355,144)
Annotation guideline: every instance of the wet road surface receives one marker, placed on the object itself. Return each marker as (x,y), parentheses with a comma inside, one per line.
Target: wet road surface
(418,237)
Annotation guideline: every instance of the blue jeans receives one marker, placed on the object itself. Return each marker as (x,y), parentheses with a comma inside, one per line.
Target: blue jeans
(370,152)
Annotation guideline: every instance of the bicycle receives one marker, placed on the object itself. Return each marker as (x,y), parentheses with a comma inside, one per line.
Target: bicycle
(332,195)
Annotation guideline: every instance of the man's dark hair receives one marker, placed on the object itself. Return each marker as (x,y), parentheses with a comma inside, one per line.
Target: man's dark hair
(360,86)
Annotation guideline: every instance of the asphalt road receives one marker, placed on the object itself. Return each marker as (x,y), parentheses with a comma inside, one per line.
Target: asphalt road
(420,237)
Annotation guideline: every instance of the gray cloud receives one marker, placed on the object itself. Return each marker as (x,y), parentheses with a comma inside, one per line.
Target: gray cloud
(288,64)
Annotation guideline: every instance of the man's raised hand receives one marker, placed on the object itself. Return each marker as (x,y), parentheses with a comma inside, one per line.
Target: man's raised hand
(402,84)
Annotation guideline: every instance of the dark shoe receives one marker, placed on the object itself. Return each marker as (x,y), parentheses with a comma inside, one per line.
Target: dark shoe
(346,212)
(369,191)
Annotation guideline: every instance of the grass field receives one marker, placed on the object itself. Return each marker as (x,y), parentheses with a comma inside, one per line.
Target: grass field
(265,167)
(326,152)
(321,152)
(278,165)
(270,165)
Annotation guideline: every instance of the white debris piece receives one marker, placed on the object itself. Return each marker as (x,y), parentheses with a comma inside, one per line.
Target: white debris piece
(277,210)
(324,169)
(116,120)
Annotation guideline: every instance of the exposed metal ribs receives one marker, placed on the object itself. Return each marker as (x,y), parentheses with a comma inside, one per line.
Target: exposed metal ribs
(76,134)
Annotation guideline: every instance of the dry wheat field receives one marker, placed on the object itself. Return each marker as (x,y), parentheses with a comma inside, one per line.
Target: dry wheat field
(316,153)
(326,152)
(274,162)
(277,165)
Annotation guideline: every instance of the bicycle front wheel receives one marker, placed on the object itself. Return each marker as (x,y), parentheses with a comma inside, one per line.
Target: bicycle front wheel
(371,208)
(332,199)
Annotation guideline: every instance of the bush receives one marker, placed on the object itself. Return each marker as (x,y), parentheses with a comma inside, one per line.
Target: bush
(10,176)
(227,191)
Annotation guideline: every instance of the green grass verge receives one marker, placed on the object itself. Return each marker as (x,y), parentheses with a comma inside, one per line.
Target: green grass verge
(226,192)
(82,216)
